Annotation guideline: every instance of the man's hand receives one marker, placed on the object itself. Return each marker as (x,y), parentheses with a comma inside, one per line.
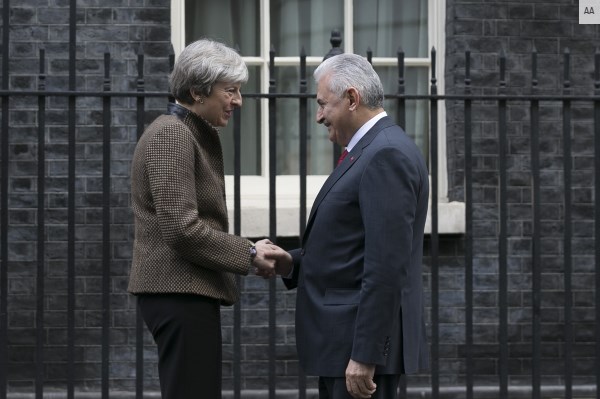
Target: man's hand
(359,379)
(278,260)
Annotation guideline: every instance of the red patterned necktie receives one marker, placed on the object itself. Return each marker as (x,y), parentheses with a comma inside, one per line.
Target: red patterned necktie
(341,158)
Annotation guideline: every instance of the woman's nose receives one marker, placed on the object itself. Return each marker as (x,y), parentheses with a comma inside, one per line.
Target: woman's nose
(237,100)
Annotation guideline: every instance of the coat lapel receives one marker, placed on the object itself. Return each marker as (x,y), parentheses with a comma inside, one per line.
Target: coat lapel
(346,164)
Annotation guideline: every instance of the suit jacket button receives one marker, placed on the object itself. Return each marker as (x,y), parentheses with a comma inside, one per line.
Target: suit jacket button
(302,252)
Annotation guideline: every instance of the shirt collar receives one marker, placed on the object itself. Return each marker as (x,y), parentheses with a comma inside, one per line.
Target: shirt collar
(364,129)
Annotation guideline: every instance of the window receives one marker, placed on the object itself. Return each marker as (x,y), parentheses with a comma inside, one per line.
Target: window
(254,26)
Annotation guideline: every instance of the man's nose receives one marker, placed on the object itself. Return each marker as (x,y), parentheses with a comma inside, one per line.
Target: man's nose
(320,118)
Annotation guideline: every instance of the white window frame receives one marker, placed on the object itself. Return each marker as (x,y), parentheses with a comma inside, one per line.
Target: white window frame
(255,189)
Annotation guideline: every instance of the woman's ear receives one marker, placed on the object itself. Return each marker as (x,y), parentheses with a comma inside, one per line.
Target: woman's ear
(196,96)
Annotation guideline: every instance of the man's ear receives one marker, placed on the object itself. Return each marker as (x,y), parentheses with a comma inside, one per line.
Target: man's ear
(353,98)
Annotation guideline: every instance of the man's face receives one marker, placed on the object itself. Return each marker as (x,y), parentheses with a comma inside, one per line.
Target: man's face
(333,112)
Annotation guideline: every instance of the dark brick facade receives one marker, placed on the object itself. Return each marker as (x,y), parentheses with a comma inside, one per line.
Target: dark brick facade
(138,27)
(142,26)
(518,28)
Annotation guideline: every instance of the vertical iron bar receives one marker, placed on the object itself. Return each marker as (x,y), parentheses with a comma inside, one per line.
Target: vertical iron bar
(41,188)
(502,244)
(567,165)
(139,325)
(171,99)
(536,272)
(435,370)
(272,217)
(336,41)
(71,202)
(468,229)
(303,115)
(597,210)
(402,387)
(401,120)
(4,208)
(401,111)
(237,229)
(370,55)
(106,244)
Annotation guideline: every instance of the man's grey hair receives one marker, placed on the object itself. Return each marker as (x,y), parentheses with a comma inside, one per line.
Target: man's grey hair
(203,63)
(352,70)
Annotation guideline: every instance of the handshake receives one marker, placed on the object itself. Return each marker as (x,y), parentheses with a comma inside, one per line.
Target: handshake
(271,260)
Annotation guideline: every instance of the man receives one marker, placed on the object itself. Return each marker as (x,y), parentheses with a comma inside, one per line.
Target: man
(359,312)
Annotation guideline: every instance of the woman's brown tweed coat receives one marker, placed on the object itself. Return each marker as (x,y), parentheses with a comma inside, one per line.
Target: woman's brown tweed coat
(182,243)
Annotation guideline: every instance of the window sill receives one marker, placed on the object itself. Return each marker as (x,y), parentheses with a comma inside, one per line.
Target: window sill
(255,206)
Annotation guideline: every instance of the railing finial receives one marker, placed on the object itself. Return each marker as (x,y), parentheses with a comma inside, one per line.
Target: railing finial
(336,41)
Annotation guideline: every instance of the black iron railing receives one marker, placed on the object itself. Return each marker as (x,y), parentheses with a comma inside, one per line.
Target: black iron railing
(467,101)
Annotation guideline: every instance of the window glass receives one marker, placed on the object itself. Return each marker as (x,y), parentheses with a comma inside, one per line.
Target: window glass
(251,148)
(304,23)
(319,148)
(381,25)
(385,25)
(416,112)
(233,22)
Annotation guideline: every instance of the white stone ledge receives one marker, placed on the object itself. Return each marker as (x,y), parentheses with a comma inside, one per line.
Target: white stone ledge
(255,207)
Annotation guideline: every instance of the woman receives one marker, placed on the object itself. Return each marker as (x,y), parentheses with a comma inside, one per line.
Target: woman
(184,260)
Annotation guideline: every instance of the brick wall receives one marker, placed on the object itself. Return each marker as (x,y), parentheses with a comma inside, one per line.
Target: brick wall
(123,29)
(484,28)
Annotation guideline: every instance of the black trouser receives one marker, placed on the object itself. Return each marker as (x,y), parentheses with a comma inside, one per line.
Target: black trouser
(187,332)
(335,388)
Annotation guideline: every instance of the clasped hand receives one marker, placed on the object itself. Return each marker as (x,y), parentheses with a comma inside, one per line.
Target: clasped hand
(271,260)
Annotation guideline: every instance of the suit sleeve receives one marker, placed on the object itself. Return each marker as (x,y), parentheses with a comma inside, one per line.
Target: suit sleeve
(388,196)
(292,282)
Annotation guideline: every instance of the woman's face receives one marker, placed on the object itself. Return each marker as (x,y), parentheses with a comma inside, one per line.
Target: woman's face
(218,107)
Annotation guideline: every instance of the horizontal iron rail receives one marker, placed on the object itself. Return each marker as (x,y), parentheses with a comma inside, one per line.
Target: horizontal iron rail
(515,97)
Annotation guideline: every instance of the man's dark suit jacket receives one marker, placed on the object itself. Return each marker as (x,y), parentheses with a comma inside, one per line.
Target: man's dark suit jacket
(358,274)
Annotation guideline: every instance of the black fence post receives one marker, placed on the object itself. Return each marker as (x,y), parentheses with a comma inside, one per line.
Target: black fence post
(536,272)
(401,111)
(303,115)
(597,210)
(41,188)
(433,161)
(567,168)
(139,325)
(272,219)
(4,207)
(503,233)
(106,241)
(237,230)
(336,41)
(72,154)
(468,228)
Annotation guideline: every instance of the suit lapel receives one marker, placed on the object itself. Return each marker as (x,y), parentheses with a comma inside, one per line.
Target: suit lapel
(339,171)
